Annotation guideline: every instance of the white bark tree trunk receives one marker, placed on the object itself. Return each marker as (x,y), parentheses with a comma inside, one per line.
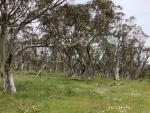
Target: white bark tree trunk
(117,68)
(5,63)
(9,85)
(117,75)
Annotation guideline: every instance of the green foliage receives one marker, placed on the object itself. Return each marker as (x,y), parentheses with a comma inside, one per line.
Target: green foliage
(54,93)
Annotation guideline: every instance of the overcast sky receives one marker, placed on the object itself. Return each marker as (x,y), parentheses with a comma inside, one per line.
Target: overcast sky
(138,8)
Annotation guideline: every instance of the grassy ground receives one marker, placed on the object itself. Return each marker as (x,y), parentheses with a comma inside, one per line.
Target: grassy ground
(54,93)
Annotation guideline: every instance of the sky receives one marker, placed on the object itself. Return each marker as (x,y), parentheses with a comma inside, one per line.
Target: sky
(140,9)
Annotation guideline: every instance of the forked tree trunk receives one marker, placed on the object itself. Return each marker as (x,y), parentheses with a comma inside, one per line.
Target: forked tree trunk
(5,66)
(88,71)
(42,69)
(71,71)
(8,84)
(5,49)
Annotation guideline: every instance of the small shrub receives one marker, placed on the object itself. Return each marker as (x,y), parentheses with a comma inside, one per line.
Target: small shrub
(68,91)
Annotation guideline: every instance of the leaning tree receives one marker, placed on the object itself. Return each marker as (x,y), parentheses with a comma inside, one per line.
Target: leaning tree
(14,16)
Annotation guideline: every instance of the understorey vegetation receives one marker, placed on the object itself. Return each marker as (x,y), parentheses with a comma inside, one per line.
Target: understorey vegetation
(54,93)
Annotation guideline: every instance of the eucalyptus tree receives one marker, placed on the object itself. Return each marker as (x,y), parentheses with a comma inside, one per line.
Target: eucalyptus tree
(128,37)
(14,16)
(93,25)
(79,28)
(61,29)
(94,37)
(141,55)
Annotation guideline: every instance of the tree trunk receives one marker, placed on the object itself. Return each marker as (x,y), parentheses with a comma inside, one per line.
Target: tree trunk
(42,69)
(117,59)
(5,64)
(22,66)
(2,51)
(9,85)
(117,75)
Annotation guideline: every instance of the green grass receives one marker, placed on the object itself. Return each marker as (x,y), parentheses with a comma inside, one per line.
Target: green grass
(54,93)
